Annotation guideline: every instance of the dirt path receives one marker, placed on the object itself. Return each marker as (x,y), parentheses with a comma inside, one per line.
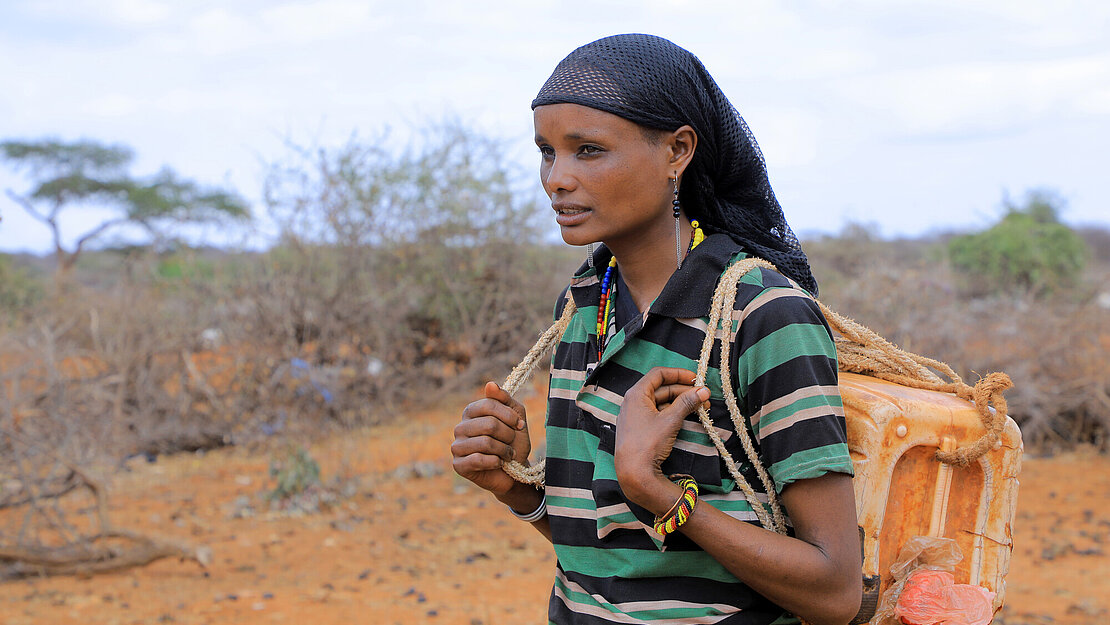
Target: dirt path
(414,544)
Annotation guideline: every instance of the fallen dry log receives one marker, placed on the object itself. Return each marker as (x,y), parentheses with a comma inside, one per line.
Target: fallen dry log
(88,556)
(104,547)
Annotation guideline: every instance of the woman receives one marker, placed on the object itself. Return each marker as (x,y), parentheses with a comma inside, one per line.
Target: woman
(641,152)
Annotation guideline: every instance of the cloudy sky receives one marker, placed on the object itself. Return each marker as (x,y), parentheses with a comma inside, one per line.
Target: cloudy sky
(912,116)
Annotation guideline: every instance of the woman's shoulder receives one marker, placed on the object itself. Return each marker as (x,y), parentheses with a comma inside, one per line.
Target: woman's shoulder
(760,284)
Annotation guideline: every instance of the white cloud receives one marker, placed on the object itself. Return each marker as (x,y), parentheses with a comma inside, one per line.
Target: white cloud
(135,11)
(219,31)
(1098,102)
(113,105)
(282,30)
(985,95)
(788,136)
(118,12)
(314,21)
(182,100)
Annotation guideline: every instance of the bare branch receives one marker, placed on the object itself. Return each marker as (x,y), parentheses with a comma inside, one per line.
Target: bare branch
(27,206)
(84,554)
(88,558)
(95,232)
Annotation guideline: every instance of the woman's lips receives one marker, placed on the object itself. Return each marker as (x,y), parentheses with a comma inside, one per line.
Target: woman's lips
(570,215)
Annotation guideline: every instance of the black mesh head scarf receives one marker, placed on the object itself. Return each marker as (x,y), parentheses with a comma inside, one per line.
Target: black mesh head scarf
(653,82)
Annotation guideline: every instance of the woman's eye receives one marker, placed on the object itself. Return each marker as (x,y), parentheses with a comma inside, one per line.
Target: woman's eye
(589,149)
(547,152)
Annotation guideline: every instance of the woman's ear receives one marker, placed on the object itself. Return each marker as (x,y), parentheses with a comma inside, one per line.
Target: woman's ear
(681,145)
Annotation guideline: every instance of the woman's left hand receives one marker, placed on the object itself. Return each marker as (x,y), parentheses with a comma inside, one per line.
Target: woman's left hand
(647,426)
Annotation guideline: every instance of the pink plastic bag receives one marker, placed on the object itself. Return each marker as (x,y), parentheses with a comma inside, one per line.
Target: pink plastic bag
(932,597)
(925,593)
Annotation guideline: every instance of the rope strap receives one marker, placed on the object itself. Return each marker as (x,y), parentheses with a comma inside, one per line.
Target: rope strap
(719,327)
(859,350)
(522,473)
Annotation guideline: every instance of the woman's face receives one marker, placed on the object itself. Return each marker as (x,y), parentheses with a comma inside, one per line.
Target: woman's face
(608,180)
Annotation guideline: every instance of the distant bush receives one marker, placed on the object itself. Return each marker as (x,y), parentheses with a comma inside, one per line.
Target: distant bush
(1029,250)
(183,265)
(1098,242)
(19,288)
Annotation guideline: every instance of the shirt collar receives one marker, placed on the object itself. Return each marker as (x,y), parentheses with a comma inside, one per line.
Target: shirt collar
(689,291)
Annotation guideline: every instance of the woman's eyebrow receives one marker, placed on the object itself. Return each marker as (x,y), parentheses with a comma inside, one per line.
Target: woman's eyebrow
(571,136)
(574,136)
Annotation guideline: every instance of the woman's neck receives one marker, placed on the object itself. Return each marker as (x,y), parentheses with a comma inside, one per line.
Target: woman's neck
(647,262)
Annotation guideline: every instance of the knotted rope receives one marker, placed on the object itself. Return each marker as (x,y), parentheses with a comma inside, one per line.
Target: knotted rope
(859,350)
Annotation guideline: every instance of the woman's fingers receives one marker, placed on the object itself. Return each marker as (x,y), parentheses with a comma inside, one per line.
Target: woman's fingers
(663,385)
(649,420)
(488,430)
(496,393)
(473,463)
(492,431)
(669,392)
(685,404)
(658,377)
(666,395)
(482,445)
(493,408)
(485,425)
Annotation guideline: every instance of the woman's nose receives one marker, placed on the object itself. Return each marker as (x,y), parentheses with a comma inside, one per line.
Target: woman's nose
(559,176)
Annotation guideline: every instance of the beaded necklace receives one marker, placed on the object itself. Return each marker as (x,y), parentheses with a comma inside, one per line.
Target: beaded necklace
(605,304)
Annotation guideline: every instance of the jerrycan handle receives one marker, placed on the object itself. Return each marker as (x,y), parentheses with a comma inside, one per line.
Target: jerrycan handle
(941,491)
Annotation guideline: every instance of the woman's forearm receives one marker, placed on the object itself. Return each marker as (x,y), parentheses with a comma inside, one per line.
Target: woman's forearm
(794,574)
(818,581)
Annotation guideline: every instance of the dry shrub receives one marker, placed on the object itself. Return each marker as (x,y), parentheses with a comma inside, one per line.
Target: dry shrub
(424,269)
(369,332)
(55,518)
(109,372)
(73,395)
(1098,242)
(396,279)
(1056,349)
(293,342)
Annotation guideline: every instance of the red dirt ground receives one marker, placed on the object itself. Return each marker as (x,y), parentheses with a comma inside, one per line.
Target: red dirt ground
(423,546)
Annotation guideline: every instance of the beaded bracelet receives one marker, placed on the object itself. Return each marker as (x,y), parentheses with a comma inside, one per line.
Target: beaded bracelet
(681,510)
(534,515)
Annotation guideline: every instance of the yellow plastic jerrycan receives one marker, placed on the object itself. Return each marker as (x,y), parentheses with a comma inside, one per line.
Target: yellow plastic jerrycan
(902,490)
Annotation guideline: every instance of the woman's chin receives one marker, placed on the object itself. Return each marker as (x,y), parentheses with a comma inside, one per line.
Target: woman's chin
(572,236)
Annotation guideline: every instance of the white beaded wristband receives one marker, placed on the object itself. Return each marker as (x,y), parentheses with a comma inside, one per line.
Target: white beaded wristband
(533,516)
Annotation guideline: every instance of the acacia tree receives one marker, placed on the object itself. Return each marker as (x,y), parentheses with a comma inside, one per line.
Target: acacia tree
(87,173)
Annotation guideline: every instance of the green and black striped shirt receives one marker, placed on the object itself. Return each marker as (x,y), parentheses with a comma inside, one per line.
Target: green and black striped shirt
(612,567)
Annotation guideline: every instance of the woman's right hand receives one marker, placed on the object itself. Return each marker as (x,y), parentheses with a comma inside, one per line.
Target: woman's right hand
(492,430)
